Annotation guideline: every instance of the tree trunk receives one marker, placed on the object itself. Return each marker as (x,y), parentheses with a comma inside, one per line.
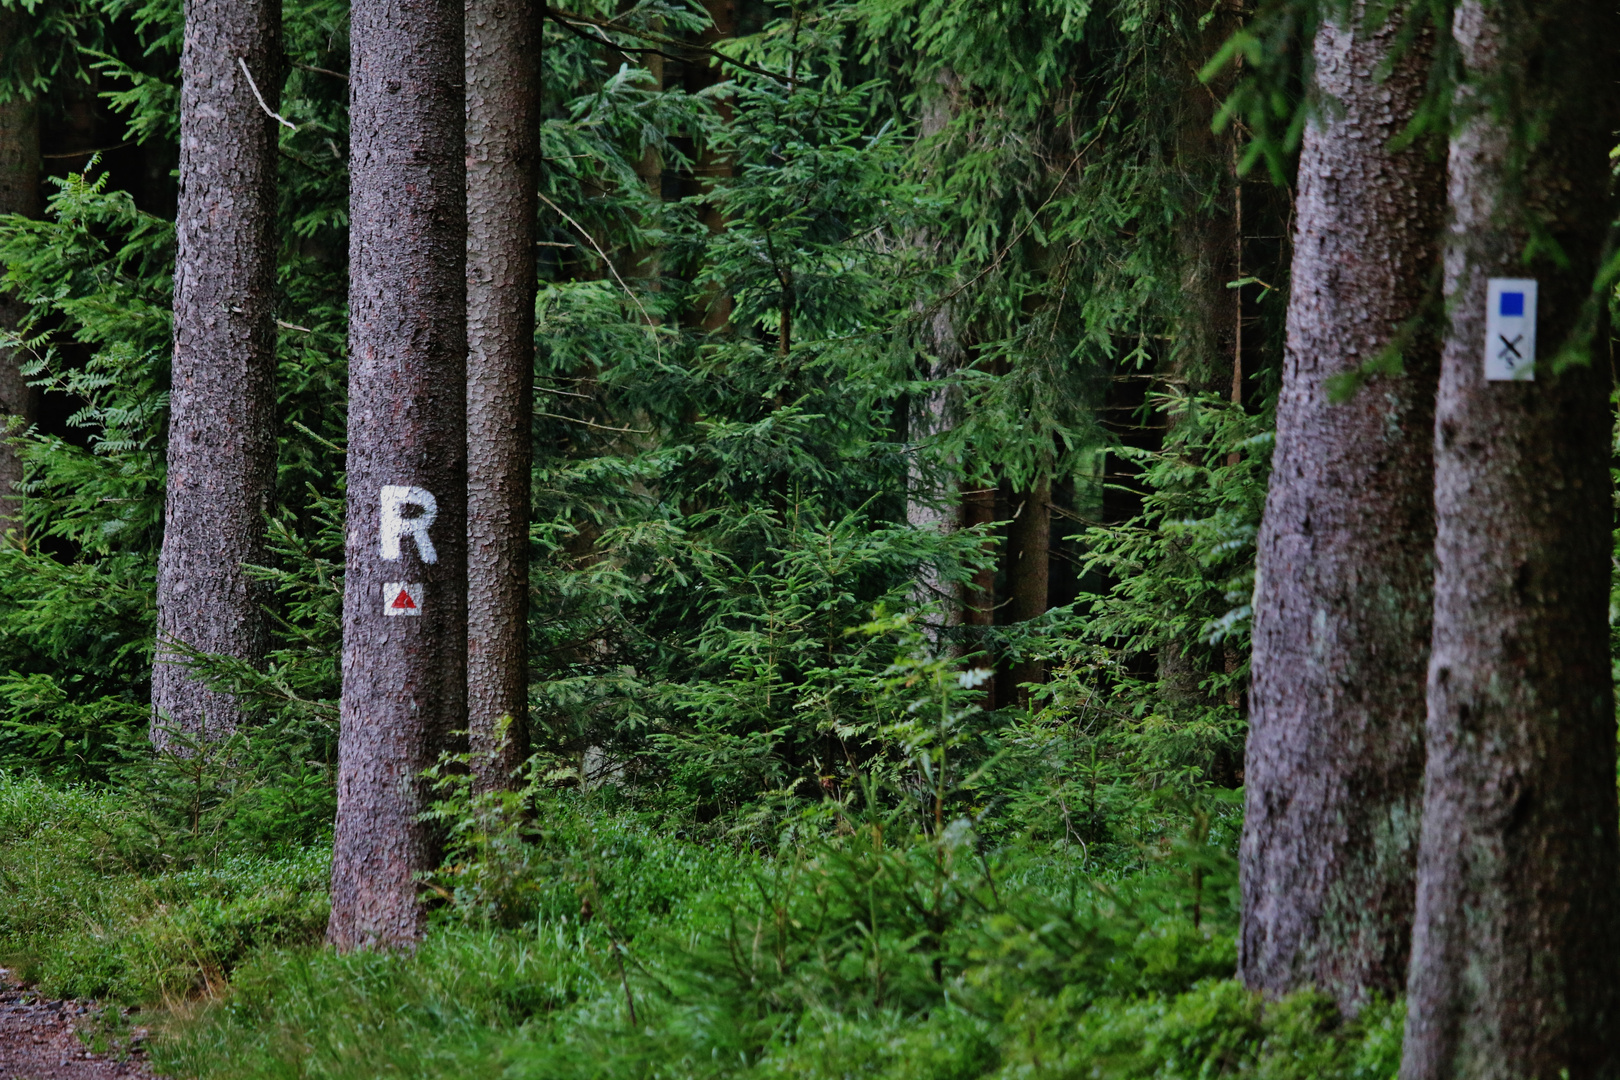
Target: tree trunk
(503,149)
(1516,940)
(222,438)
(1207,241)
(1341,630)
(978,596)
(19,194)
(1029,542)
(405,590)
(714,305)
(929,496)
(930,492)
(1209,248)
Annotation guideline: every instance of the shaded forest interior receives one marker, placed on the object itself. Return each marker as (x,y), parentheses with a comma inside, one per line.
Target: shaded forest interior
(903,538)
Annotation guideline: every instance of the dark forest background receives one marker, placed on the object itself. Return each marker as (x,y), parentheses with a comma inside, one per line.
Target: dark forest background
(904,379)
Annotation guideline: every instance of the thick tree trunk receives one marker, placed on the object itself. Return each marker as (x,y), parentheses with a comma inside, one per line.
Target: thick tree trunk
(405,591)
(1516,940)
(1341,631)
(503,149)
(19,194)
(1029,543)
(222,439)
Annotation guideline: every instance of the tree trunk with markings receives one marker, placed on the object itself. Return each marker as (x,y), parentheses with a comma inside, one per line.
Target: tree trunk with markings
(503,136)
(222,438)
(1341,631)
(1516,941)
(405,589)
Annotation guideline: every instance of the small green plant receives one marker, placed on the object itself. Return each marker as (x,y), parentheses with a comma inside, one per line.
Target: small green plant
(111,1030)
(495,872)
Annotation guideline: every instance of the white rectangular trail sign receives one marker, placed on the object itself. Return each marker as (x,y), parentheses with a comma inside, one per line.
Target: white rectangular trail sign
(1510,330)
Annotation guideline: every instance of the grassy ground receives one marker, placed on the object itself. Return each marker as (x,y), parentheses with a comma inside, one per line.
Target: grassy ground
(605,947)
(89,913)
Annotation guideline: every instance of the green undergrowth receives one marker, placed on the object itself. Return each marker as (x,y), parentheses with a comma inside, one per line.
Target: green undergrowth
(582,938)
(608,945)
(86,910)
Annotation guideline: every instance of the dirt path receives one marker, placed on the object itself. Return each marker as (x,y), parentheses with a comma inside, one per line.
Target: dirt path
(37,1040)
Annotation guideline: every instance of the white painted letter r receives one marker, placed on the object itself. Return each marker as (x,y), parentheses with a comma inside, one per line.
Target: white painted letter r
(395,524)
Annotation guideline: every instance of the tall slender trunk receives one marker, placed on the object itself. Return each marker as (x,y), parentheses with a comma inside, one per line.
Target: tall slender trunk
(1209,248)
(714,305)
(645,262)
(222,438)
(405,590)
(19,194)
(977,596)
(1335,755)
(1516,940)
(1208,244)
(930,491)
(503,149)
(1029,543)
(929,495)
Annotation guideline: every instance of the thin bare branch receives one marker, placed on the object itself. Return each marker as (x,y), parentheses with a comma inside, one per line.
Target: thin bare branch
(271,113)
(611,268)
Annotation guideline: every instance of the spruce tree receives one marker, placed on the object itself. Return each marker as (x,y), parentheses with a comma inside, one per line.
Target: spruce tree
(503,126)
(222,439)
(1341,626)
(405,586)
(1516,938)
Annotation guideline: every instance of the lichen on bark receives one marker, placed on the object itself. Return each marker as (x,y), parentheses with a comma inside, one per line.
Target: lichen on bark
(1342,600)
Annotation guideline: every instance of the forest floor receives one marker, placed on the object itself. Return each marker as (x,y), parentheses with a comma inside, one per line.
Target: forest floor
(39,1040)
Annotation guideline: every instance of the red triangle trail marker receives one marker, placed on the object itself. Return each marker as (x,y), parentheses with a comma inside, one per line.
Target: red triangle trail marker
(402,597)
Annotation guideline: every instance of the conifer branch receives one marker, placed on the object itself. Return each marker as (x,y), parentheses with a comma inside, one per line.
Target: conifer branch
(569,19)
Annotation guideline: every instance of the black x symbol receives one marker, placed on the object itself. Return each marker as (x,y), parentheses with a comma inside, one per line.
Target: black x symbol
(1511,346)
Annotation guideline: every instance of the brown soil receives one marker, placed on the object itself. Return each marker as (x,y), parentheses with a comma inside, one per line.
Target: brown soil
(38,1040)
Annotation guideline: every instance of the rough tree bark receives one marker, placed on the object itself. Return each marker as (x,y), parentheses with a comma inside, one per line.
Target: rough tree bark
(1342,607)
(931,496)
(1516,939)
(19,194)
(222,440)
(503,149)
(405,590)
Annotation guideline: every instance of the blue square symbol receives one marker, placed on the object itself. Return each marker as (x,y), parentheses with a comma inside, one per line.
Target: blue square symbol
(1513,304)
